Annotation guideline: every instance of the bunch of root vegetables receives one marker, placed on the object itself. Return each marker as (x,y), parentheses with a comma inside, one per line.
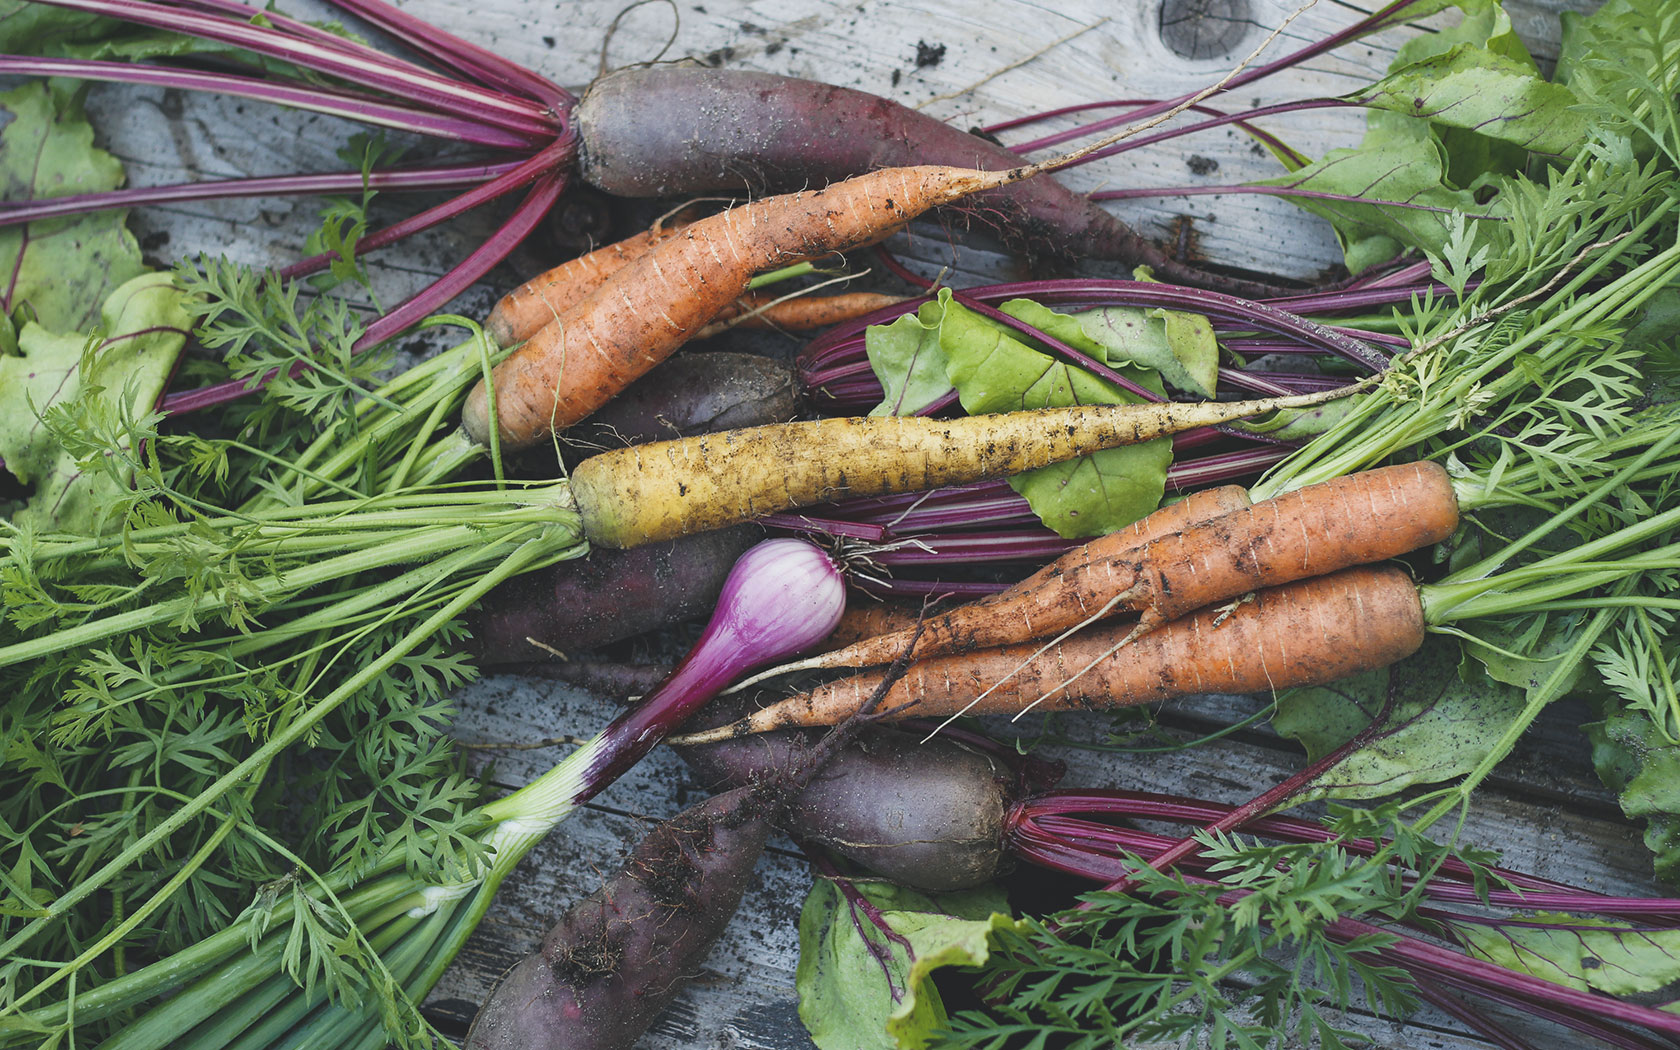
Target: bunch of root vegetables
(1289,583)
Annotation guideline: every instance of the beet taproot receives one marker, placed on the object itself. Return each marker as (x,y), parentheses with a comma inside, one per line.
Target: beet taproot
(732,131)
(620,956)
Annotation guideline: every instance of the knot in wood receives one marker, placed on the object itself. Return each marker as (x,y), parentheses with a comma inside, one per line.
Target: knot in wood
(1204,29)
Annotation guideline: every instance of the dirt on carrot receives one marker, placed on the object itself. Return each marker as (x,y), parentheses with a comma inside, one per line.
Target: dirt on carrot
(867,619)
(1053,599)
(649,308)
(524,311)
(1309,632)
(1351,520)
(800,313)
(669,488)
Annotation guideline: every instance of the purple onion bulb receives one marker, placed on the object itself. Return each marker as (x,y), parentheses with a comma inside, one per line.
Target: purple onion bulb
(782,597)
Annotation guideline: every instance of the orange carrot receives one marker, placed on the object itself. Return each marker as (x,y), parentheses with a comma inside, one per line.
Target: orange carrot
(866,619)
(649,308)
(1351,520)
(1195,508)
(801,313)
(524,311)
(1053,599)
(1309,632)
(1191,555)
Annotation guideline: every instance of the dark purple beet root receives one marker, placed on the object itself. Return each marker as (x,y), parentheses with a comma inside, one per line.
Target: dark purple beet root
(604,597)
(690,394)
(620,956)
(731,130)
(929,816)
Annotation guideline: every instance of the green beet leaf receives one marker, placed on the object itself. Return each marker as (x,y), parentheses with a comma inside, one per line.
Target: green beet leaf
(124,365)
(1471,156)
(1581,952)
(1099,493)
(1640,764)
(1485,24)
(59,271)
(1482,104)
(1399,160)
(907,359)
(1523,653)
(1180,347)
(921,358)
(851,998)
(1431,717)
(995,372)
(1473,89)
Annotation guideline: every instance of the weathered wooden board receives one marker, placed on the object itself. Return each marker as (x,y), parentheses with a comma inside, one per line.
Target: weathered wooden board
(975,63)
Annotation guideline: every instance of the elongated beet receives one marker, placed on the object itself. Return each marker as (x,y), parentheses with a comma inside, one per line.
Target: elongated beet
(606,597)
(734,130)
(618,957)
(690,394)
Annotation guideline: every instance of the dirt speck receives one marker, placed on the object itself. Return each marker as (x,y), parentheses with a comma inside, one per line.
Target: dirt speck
(928,55)
(1200,165)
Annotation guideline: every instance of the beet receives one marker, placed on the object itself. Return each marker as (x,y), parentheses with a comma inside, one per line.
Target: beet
(725,131)
(620,956)
(928,816)
(605,597)
(689,394)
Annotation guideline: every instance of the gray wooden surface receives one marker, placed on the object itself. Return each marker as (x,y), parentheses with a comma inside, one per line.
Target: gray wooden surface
(974,62)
